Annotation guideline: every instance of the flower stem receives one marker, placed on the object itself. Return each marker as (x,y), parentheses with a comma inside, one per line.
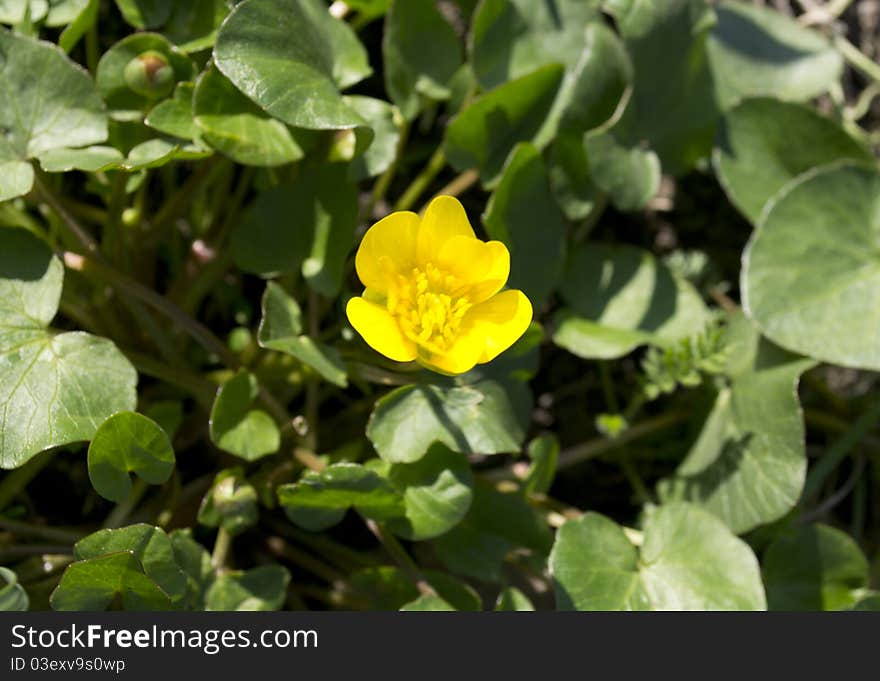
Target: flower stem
(120,514)
(222,544)
(400,556)
(418,186)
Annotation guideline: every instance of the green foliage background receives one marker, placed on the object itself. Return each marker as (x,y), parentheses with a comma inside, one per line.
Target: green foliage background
(690,194)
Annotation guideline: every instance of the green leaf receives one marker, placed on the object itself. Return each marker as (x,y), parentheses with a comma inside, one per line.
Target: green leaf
(544,453)
(55,388)
(386,122)
(320,499)
(128,443)
(621,297)
(307,225)
(149,545)
(16,179)
(46,102)
(757,51)
(763,144)
(192,25)
(114,579)
(437,492)
(281,330)
(235,126)
(510,38)
(688,560)
(483,134)
(497,525)
(195,562)
(512,599)
(248,433)
(427,603)
(411,71)
(386,588)
(13,597)
(145,13)
(815,567)
(89,159)
(262,588)
(749,463)
(487,417)
(523,214)
(231,503)
(291,57)
(79,26)
(673,107)
(629,175)
(569,174)
(175,116)
(818,298)
(124,102)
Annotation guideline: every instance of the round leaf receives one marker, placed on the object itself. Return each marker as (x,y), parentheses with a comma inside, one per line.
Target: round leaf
(67,383)
(236,428)
(128,443)
(811,273)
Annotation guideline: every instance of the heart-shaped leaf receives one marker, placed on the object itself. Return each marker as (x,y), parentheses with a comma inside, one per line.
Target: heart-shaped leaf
(236,428)
(46,102)
(68,383)
(262,588)
(13,597)
(145,13)
(128,443)
(749,463)
(688,560)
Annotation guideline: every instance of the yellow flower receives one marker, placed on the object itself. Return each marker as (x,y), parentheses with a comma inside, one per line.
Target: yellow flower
(432,291)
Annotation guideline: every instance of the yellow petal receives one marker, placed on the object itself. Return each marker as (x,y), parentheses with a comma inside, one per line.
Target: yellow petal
(444,218)
(496,277)
(380,330)
(388,247)
(460,358)
(469,259)
(499,322)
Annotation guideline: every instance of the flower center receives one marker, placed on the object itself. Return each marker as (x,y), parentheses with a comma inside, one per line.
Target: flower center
(429,305)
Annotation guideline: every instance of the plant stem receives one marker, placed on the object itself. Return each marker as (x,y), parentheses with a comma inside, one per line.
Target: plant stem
(81,235)
(380,188)
(48,533)
(839,450)
(418,186)
(856,58)
(222,544)
(460,183)
(400,556)
(200,388)
(120,514)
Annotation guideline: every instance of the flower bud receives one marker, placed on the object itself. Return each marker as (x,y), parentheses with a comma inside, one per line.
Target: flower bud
(149,74)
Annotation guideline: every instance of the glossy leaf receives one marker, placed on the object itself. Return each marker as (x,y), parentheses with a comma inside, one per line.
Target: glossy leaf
(231,503)
(237,428)
(193,25)
(55,388)
(128,443)
(145,13)
(387,588)
(296,81)
(386,122)
(235,126)
(487,417)
(13,597)
(259,589)
(497,525)
(437,491)
(174,116)
(629,175)
(321,498)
